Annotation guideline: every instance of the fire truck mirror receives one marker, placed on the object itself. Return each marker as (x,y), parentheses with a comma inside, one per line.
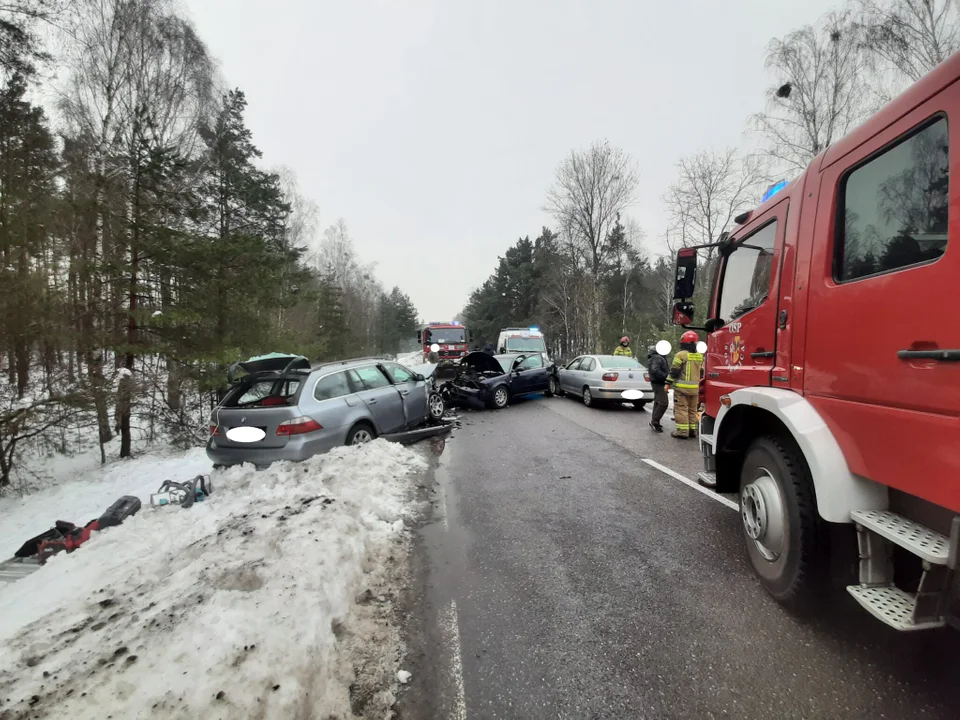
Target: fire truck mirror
(713,324)
(682,313)
(419,336)
(686,276)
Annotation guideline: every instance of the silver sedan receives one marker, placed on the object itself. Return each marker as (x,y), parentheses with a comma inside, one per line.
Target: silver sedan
(605,378)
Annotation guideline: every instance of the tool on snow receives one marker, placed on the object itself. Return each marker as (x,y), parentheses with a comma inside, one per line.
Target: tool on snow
(182,494)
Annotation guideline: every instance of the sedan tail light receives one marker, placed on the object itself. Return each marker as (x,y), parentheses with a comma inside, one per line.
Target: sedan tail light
(298,426)
(214,430)
(646,376)
(610,376)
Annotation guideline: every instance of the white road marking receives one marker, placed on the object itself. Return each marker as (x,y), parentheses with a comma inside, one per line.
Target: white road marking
(692,483)
(450,625)
(446,512)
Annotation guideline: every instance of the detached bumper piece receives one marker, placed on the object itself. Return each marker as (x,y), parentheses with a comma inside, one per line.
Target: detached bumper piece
(877,532)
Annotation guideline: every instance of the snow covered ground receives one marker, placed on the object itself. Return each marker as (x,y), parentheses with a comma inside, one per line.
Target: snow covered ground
(274,598)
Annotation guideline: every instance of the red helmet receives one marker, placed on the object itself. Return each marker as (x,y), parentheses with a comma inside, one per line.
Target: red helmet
(690,336)
(624,340)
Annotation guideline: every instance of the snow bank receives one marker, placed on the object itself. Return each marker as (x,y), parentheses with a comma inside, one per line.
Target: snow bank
(411,358)
(83,494)
(270,599)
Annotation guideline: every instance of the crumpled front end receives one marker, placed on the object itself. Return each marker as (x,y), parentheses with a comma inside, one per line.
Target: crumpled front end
(470,384)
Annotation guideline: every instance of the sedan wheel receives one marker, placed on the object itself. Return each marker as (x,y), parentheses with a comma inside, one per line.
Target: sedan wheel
(500,397)
(553,388)
(437,406)
(587,397)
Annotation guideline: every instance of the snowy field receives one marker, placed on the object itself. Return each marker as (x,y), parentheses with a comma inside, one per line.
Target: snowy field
(274,598)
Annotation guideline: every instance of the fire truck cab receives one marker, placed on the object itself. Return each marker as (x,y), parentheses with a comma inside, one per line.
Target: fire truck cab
(832,371)
(452,338)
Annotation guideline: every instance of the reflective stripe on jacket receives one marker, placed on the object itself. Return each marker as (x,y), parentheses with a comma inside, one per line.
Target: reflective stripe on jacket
(621,350)
(685,371)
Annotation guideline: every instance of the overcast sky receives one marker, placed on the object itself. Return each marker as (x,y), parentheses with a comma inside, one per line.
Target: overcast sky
(434,128)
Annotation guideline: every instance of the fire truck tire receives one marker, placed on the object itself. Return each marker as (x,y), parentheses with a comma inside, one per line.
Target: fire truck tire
(781,528)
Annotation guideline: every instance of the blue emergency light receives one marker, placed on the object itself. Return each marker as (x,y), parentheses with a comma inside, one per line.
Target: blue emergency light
(533,329)
(774,189)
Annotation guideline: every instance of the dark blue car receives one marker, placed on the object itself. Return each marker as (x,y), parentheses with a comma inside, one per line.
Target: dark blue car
(494,380)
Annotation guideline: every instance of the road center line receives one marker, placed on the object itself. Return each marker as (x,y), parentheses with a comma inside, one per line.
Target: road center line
(450,625)
(692,483)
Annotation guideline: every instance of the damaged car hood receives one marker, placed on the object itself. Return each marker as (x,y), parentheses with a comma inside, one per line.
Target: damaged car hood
(481,362)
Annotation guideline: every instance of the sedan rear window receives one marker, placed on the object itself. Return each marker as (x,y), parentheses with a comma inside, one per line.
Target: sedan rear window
(618,361)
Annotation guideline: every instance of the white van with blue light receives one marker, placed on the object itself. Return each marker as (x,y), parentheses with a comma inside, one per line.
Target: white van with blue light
(522,340)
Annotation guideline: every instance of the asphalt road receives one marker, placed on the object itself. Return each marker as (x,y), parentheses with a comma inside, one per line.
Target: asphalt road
(564,577)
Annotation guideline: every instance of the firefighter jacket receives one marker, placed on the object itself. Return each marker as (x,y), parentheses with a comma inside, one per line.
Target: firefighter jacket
(621,350)
(685,372)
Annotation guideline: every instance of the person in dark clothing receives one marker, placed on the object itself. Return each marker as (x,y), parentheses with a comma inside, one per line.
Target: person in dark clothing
(489,349)
(658,370)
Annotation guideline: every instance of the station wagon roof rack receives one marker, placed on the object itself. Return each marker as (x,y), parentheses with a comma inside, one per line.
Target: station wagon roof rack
(347,361)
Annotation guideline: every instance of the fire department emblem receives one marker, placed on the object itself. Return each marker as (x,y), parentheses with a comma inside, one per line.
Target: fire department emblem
(734,352)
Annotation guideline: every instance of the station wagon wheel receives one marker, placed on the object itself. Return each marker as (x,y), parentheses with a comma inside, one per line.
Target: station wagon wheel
(360,435)
(500,397)
(437,406)
(587,397)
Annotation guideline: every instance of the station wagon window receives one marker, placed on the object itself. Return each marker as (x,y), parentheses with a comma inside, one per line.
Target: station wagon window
(369,377)
(267,388)
(332,386)
(893,209)
(588,364)
(746,274)
(398,373)
(531,362)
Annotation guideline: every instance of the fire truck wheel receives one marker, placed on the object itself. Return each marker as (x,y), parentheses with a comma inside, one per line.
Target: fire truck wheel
(781,527)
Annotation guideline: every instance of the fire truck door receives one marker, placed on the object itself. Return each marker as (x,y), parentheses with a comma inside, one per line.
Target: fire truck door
(742,352)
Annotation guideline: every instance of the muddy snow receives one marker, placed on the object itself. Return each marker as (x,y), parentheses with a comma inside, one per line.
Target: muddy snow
(274,598)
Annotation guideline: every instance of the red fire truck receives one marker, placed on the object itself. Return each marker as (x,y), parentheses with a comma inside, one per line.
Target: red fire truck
(832,369)
(452,339)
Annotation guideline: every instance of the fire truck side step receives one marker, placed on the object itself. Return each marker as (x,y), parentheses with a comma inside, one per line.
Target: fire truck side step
(891,605)
(919,540)
(707,479)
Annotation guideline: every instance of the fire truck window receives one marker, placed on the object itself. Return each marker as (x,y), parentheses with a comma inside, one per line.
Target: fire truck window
(894,208)
(746,275)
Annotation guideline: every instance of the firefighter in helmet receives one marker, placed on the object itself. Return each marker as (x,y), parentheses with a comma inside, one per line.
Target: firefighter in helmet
(624,347)
(684,377)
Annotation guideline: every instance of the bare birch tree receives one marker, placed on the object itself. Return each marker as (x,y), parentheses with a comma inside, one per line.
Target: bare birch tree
(821,90)
(911,37)
(592,187)
(711,189)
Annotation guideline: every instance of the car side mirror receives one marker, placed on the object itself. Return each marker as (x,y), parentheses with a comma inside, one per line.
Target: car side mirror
(418,377)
